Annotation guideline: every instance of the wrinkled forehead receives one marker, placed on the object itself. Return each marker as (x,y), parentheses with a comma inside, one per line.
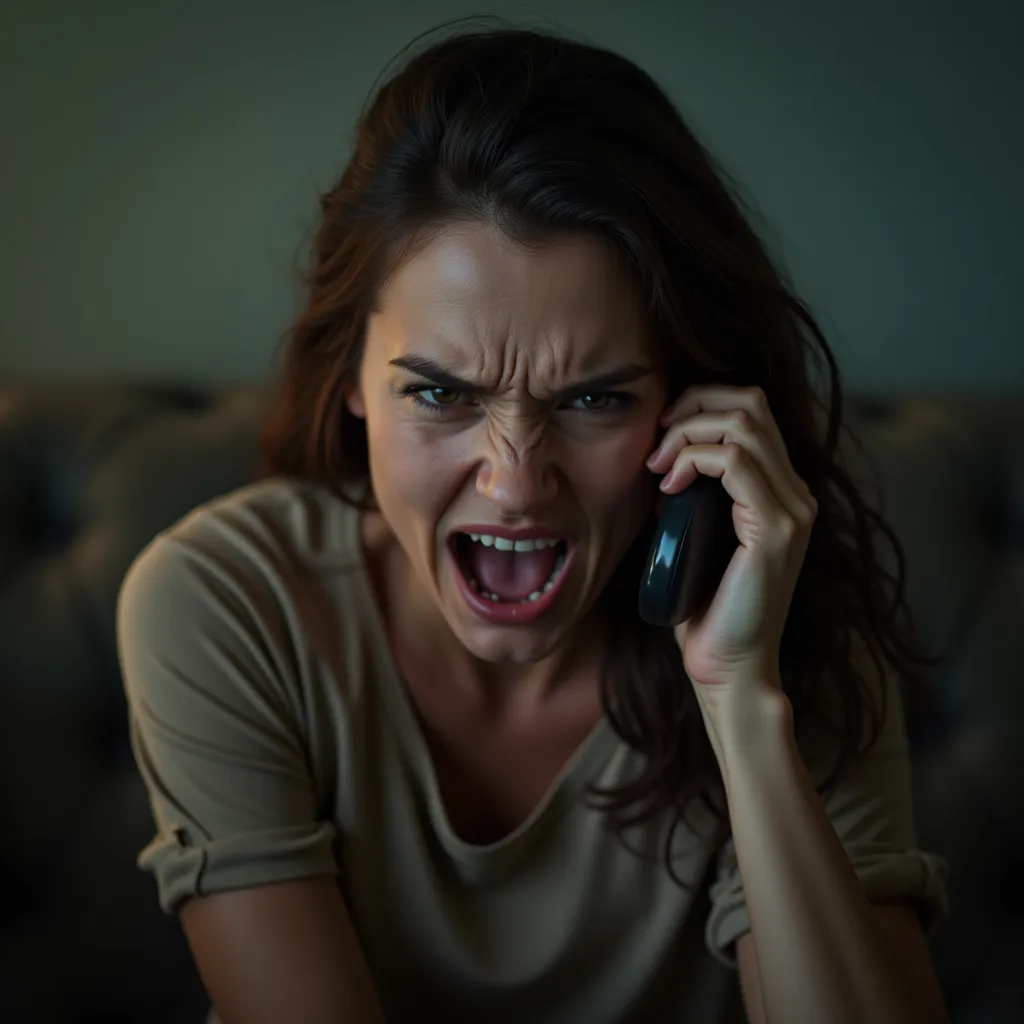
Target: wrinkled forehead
(502,312)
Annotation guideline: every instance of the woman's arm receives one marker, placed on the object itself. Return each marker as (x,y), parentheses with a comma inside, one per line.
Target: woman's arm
(243,852)
(823,953)
(281,952)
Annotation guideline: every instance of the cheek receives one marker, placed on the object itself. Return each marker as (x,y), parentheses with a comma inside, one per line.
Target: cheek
(409,463)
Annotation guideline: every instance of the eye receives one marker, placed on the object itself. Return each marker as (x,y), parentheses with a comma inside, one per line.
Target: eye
(438,396)
(594,403)
(598,402)
(435,398)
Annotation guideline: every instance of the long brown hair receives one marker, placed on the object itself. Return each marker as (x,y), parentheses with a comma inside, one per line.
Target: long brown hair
(538,133)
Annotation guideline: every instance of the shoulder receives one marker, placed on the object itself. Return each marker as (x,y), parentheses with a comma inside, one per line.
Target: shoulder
(254,537)
(233,578)
(297,520)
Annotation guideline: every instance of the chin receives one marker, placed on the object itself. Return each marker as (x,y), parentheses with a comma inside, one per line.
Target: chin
(503,644)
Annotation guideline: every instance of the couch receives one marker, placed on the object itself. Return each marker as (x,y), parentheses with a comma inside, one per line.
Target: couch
(88,474)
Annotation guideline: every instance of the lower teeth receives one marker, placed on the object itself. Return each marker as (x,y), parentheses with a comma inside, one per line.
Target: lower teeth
(535,596)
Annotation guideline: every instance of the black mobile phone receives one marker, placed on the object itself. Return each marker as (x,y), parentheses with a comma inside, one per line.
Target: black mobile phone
(693,542)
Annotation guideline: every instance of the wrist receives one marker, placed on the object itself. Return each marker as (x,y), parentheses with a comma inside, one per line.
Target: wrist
(749,727)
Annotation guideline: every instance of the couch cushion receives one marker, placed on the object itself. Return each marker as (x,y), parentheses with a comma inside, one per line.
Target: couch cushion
(951,470)
(87,476)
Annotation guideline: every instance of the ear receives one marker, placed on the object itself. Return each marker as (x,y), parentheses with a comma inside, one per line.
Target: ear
(353,394)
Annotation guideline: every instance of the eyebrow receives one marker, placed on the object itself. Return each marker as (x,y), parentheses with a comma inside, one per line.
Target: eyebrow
(445,378)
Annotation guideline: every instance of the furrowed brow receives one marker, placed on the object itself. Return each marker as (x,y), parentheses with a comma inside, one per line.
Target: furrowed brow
(441,376)
(437,374)
(616,378)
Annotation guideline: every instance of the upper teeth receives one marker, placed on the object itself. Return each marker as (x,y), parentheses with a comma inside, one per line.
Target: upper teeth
(505,544)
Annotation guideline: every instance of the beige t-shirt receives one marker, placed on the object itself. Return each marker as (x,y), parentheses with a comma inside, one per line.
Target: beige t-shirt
(277,742)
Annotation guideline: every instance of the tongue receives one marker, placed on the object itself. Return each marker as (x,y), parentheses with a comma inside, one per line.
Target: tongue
(512,575)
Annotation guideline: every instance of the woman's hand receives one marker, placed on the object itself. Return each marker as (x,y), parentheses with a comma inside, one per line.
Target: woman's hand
(729,432)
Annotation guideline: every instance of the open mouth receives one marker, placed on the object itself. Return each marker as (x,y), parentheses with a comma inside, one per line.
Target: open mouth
(515,580)
(513,572)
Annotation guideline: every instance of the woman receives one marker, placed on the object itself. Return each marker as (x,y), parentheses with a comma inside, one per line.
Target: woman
(411,751)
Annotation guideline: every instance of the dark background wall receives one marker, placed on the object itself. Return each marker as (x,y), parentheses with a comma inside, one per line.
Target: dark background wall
(160,163)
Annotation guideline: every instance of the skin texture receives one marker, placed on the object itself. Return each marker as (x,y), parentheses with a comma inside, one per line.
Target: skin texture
(521,326)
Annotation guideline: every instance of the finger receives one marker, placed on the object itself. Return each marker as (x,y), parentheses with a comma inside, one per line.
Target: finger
(707,397)
(756,506)
(742,480)
(721,398)
(706,428)
(735,426)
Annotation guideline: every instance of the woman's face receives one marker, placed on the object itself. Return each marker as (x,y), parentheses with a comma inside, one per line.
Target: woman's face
(511,399)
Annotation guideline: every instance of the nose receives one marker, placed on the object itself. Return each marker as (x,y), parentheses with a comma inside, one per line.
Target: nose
(519,479)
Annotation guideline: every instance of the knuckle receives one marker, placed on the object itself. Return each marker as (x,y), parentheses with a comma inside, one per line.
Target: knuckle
(758,399)
(788,529)
(805,515)
(734,453)
(742,420)
(809,504)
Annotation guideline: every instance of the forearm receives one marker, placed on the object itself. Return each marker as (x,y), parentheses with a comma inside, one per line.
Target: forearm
(820,950)
(284,951)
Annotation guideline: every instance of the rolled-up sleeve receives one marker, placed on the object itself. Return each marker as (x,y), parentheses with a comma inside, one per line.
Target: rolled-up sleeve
(215,725)
(871,811)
